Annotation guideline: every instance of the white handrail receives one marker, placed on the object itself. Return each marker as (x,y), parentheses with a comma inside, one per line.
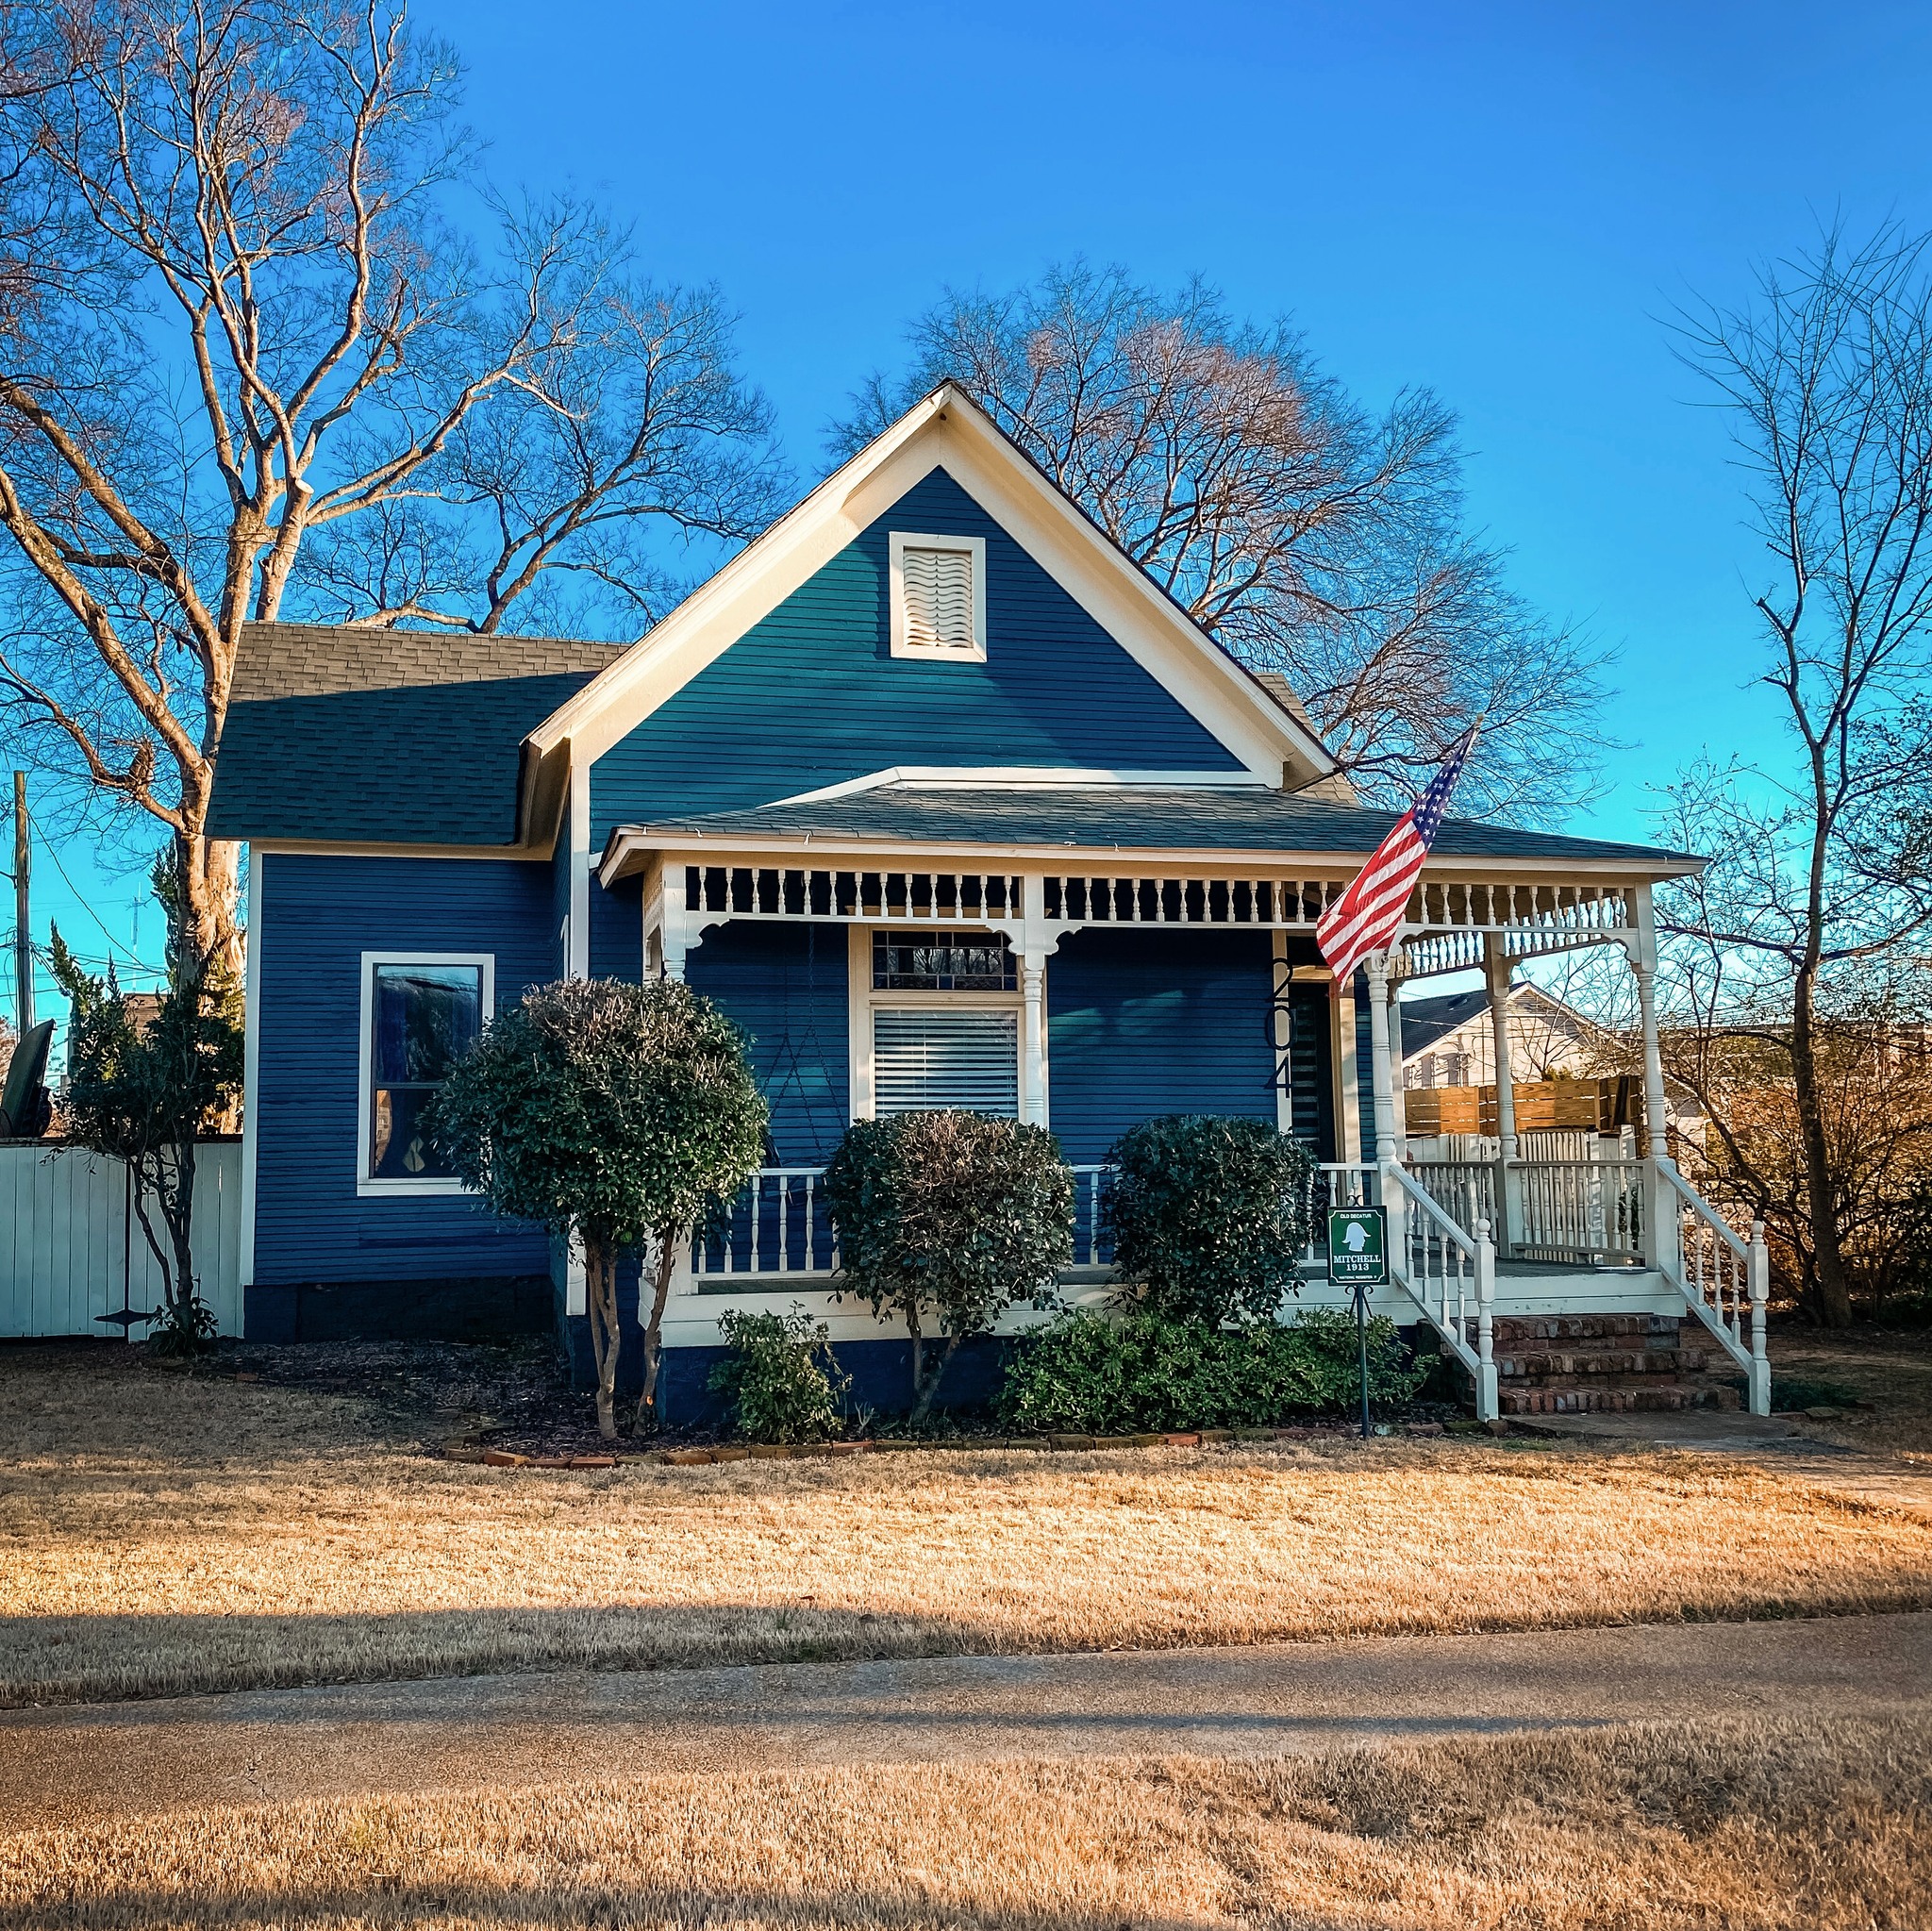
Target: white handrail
(1720,1278)
(1440,1262)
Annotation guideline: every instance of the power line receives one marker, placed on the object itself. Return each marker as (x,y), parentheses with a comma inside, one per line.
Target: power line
(133,958)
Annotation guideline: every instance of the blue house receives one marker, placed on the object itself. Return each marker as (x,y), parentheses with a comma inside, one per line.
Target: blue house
(949,804)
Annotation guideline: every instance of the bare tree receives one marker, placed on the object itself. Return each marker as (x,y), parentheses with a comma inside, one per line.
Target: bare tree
(245,354)
(1305,534)
(1822,876)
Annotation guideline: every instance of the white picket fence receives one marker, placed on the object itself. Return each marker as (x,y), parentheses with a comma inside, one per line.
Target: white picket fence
(70,1246)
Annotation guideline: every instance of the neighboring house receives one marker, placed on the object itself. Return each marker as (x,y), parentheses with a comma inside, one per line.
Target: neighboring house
(931,788)
(1451,1041)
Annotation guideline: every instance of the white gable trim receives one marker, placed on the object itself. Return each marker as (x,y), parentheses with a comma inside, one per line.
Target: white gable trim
(946,430)
(1027,777)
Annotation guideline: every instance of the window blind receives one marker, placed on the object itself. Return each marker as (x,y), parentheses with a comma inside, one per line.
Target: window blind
(930,1056)
(938,599)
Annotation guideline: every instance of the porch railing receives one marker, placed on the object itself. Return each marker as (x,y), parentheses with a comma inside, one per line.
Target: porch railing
(1590,1211)
(1585,1211)
(1449,1271)
(1725,1282)
(778,1224)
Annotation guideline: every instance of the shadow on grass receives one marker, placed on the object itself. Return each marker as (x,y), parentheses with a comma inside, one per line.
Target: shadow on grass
(486,1906)
(110,1657)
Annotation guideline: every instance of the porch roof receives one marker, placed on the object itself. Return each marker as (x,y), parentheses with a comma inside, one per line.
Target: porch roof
(1114,817)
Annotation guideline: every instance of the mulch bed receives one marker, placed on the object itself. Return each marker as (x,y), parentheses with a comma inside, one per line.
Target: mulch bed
(511,1405)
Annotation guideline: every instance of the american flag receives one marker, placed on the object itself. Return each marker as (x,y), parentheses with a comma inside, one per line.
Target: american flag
(1366,918)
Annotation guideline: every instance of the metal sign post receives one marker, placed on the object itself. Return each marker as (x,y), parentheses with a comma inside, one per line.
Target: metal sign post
(1358,1254)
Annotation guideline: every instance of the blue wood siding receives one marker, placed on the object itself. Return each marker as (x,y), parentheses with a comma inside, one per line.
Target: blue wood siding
(317,916)
(811,696)
(1147,1022)
(786,985)
(617,929)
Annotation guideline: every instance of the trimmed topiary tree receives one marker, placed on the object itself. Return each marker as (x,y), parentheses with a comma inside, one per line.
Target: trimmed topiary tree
(951,1216)
(1208,1215)
(622,1114)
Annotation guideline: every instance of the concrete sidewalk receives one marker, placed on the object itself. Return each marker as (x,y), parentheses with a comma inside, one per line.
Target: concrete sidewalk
(101,1761)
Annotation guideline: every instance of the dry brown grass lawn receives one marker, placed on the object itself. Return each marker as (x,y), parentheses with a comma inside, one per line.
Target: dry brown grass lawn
(1824,1827)
(201,1535)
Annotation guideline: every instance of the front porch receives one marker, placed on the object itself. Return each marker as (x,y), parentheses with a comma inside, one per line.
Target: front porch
(1473,1242)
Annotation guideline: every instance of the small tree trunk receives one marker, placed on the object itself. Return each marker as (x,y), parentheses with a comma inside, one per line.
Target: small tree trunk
(918,1351)
(1831,1298)
(177,1208)
(922,1407)
(600,1295)
(647,1406)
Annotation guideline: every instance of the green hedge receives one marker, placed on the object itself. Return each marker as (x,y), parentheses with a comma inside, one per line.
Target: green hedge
(1087,1374)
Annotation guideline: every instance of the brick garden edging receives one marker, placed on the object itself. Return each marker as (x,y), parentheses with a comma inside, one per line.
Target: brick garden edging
(464,1449)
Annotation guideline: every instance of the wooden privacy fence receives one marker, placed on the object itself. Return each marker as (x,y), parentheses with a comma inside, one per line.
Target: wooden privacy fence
(69,1242)
(1591,1106)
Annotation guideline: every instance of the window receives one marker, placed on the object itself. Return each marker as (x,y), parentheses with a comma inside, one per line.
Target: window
(943,962)
(937,1056)
(420,1014)
(939,597)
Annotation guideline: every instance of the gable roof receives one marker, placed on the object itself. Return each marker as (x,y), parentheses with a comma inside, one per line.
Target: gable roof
(1116,818)
(946,429)
(385,737)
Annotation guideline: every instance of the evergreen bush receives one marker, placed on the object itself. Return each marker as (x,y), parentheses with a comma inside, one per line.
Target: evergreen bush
(781,1380)
(1085,1373)
(1208,1216)
(948,1217)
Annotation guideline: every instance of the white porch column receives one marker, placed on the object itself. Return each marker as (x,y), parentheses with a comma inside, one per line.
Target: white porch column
(1496,969)
(1383,1085)
(1662,1245)
(1033,1036)
(1655,1140)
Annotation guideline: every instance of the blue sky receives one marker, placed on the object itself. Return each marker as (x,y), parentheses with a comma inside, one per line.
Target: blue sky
(1501,202)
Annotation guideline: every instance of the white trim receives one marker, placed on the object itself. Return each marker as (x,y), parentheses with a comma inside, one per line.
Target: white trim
(320,848)
(897,543)
(863,998)
(251,1064)
(576,964)
(946,430)
(394,1189)
(1027,777)
(629,842)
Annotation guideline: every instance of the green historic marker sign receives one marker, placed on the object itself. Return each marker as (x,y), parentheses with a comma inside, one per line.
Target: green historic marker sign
(1358,1245)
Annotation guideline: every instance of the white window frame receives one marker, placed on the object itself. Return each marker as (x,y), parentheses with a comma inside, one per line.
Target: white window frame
(365,1065)
(900,541)
(865,999)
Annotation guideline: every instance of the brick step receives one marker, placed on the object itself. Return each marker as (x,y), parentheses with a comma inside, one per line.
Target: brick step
(1610,1400)
(1521,1330)
(1607,1361)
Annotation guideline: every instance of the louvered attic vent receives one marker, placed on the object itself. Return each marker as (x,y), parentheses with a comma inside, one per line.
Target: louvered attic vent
(938,596)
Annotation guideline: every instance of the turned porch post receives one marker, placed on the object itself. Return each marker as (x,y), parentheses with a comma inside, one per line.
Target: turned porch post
(1496,969)
(1660,1239)
(1387,1148)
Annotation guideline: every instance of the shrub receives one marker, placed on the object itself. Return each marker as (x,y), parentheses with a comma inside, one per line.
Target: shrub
(951,1215)
(1208,1215)
(782,1380)
(1089,1374)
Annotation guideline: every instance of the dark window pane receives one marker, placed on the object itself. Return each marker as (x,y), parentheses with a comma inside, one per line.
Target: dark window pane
(942,962)
(427,1016)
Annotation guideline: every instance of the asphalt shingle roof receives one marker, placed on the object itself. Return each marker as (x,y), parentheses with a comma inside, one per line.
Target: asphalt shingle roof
(386,736)
(1129,818)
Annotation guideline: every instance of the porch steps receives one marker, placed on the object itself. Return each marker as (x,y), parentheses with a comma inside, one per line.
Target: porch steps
(1574,1364)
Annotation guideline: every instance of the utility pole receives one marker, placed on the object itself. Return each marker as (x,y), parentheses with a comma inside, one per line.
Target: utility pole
(23,934)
